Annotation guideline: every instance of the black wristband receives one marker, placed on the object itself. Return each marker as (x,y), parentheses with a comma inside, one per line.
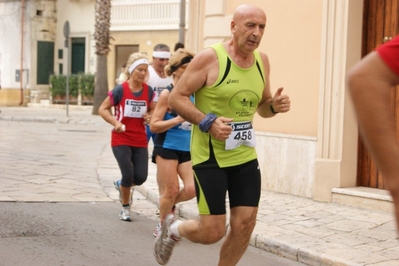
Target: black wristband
(272,109)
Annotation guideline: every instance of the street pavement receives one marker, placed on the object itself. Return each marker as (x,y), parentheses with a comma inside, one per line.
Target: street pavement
(303,230)
(87,234)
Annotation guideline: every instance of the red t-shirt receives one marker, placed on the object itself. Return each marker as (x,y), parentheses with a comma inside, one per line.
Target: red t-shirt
(130,112)
(389,52)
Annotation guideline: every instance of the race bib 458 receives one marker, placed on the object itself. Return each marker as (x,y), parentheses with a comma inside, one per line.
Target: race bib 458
(242,134)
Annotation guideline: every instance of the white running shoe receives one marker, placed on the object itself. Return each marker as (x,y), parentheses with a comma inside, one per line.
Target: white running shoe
(131,196)
(165,242)
(124,215)
(157,230)
(117,185)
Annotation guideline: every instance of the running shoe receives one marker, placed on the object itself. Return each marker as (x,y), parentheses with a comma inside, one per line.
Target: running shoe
(165,242)
(157,212)
(131,196)
(157,230)
(124,215)
(117,185)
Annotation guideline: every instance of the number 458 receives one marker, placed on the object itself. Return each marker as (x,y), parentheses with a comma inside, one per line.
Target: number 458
(244,135)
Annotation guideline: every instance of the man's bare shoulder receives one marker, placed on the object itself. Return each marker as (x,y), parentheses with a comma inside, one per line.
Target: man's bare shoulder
(265,61)
(208,66)
(205,57)
(202,70)
(264,57)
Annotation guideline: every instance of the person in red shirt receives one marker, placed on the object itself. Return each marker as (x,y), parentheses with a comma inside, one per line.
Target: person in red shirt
(133,103)
(369,83)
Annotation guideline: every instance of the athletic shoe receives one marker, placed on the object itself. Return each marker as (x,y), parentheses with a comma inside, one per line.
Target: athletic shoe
(131,196)
(157,230)
(124,215)
(117,185)
(165,242)
(157,210)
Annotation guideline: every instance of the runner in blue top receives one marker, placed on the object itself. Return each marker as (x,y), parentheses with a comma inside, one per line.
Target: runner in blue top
(172,144)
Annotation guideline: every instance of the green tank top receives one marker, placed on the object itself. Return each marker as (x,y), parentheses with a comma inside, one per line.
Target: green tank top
(235,94)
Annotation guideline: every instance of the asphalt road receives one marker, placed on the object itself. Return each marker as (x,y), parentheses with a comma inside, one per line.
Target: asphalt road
(91,234)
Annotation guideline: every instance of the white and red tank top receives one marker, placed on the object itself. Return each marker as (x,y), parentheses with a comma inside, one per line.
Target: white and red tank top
(130,111)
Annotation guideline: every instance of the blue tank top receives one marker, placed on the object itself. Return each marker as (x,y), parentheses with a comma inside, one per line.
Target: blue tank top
(175,138)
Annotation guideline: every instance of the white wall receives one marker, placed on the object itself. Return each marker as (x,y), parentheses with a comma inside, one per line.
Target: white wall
(10,44)
(286,163)
(82,25)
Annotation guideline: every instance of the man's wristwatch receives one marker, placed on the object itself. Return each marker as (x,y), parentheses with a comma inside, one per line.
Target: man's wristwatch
(272,109)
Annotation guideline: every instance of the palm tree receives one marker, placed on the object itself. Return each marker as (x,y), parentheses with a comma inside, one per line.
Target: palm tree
(102,38)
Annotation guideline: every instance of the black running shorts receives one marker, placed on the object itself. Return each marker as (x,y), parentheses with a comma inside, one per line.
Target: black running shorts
(180,156)
(242,182)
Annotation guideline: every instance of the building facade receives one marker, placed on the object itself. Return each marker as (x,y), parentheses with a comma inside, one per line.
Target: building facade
(314,150)
(39,46)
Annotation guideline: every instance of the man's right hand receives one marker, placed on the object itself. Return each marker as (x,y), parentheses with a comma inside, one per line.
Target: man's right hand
(219,129)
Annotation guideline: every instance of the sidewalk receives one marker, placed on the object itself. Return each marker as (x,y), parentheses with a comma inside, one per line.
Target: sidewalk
(298,228)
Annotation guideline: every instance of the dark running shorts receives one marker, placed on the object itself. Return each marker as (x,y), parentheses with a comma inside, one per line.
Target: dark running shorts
(242,182)
(180,156)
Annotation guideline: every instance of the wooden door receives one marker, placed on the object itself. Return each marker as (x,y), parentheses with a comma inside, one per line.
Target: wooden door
(380,24)
(45,62)
(78,55)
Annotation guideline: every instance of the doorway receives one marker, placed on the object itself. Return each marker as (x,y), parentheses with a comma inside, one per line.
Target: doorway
(45,61)
(78,55)
(122,53)
(380,24)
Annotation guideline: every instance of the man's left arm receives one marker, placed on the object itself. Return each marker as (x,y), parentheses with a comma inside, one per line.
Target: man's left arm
(279,103)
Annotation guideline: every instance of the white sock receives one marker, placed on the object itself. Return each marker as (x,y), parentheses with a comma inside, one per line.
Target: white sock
(174,228)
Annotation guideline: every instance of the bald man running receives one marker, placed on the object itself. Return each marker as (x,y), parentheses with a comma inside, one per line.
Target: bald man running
(230,81)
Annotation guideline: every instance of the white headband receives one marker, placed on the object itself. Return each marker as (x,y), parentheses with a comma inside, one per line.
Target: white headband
(141,61)
(161,54)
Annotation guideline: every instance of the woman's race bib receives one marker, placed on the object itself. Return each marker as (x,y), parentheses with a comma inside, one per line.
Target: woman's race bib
(185,126)
(242,134)
(135,108)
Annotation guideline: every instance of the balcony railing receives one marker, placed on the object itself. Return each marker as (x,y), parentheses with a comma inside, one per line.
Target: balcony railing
(146,15)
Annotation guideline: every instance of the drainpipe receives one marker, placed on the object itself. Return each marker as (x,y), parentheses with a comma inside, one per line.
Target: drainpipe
(182,25)
(21,73)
